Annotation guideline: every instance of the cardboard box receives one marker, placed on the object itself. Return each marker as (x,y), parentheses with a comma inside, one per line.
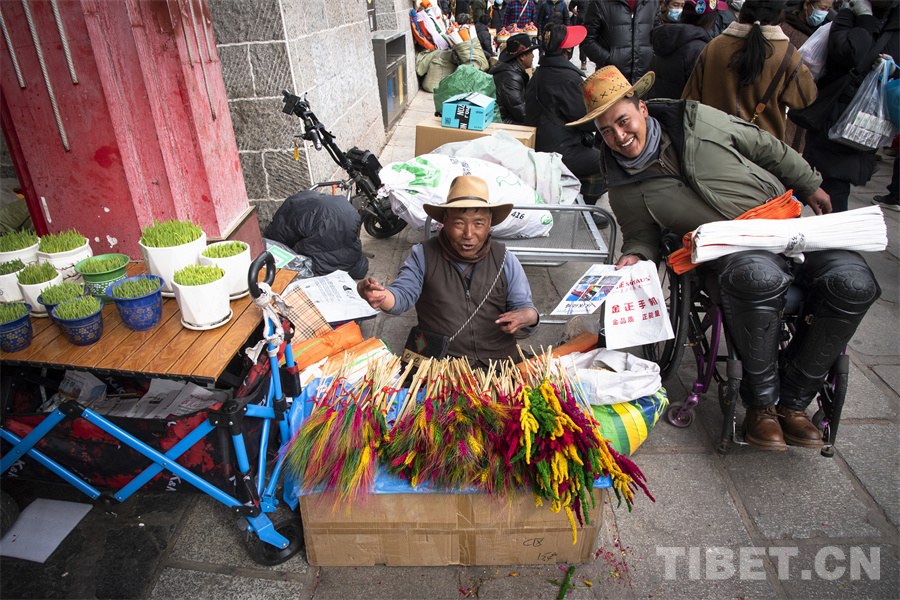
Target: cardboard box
(430,134)
(443,529)
(469,110)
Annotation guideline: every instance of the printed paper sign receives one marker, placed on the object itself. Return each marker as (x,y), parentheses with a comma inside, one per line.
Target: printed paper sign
(635,311)
(589,292)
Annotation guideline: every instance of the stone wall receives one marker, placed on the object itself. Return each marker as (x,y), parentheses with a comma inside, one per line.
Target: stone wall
(321,48)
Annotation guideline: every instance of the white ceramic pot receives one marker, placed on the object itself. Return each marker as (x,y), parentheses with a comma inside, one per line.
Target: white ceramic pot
(30,293)
(203,306)
(26,255)
(9,288)
(165,261)
(65,261)
(236,269)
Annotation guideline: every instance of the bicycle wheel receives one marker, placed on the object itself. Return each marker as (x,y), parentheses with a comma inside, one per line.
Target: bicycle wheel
(667,354)
(380,228)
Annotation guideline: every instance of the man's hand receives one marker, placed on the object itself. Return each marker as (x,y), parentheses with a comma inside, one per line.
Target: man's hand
(627,260)
(375,294)
(820,202)
(514,320)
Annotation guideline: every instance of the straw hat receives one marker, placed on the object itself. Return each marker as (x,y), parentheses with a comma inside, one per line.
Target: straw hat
(606,87)
(469,191)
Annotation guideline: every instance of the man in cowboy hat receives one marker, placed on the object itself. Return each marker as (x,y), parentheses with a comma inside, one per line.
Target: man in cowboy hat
(677,164)
(463,284)
(511,77)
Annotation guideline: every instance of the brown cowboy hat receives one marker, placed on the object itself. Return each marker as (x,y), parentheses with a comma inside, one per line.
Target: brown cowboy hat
(469,191)
(606,87)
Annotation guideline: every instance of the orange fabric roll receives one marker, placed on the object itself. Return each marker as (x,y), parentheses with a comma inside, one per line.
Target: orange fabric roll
(309,352)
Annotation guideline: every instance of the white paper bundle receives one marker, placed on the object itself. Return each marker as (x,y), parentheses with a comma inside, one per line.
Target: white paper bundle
(862,230)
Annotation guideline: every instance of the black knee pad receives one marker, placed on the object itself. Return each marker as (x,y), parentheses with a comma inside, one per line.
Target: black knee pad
(753,277)
(841,280)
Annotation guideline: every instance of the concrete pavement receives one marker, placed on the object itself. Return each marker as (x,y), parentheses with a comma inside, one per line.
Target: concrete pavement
(751,524)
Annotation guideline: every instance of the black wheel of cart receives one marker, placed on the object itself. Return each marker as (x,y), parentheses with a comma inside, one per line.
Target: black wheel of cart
(287,524)
(9,512)
(380,228)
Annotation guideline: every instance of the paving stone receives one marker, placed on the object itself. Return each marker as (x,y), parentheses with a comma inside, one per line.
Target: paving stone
(515,582)
(390,583)
(877,334)
(211,535)
(865,400)
(181,583)
(840,571)
(890,374)
(873,452)
(236,21)
(271,68)
(798,494)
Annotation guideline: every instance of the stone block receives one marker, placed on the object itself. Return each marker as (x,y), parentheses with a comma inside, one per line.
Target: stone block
(843,571)
(182,583)
(236,21)
(315,15)
(285,176)
(877,335)
(259,124)
(872,452)
(303,64)
(254,175)
(271,68)
(235,63)
(340,583)
(265,210)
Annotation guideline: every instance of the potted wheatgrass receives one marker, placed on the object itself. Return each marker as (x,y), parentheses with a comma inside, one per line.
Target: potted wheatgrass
(138,300)
(19,244)
(81,319)
(170,245)
(32,281)
(100,271)
(9,286)
(64,250)
(15,326)
(60,292)
(202,295)
(234,258)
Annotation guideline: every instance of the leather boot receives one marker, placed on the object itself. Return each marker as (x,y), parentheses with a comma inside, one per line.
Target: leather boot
(762,430)
(798,430)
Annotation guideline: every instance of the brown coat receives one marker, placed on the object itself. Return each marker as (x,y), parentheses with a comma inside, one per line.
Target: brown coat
(715,84)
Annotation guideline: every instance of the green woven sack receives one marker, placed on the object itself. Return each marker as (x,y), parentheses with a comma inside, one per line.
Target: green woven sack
(466,78)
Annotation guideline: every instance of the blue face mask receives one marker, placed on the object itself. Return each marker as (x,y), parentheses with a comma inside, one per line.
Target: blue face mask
(674,14)
(817,17)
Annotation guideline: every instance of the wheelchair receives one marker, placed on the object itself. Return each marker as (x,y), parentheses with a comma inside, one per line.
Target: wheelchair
(697,322)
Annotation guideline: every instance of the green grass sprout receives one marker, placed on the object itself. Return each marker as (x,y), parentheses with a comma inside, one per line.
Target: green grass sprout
(135,287)
(53,243)
(78,308)
(10,311)
(165,234)
(36,273)
(54,294)
(103,264)
(198,275)
(11,266)
(17,240)
(224,250)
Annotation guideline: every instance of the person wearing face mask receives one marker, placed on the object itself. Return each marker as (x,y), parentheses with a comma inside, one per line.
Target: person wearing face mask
(676,47)
(670,10)
(498,12)
(752,71)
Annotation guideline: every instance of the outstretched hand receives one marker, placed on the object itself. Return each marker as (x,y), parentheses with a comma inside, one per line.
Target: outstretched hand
(514,320)
(375,294)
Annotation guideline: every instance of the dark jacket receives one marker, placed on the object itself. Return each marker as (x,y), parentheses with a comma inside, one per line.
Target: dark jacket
(617,37)
(552,99)
(484,38)
(497,14)
(550,13)
(324,228)
(462,7)
(510,79)
(478,8)
(851,37)
(676,48)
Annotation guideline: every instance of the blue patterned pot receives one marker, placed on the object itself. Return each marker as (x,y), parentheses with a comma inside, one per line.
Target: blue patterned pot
(143,312)
(15,335)
(84,331)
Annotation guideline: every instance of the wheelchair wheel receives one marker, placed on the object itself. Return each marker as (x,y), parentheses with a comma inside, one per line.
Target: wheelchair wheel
(287,524)
(668,354)
(9,512)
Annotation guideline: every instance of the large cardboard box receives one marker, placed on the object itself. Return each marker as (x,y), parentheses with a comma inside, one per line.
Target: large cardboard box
(443,529)
(469,110)
(430,134)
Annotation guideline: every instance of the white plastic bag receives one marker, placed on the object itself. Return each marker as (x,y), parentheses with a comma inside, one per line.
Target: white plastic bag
(611,377)
(865,123)
(814,50)
(635,310)
(543,171)
(426,180)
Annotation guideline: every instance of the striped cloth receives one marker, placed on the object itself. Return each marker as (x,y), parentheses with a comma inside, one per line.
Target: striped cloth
(627,424)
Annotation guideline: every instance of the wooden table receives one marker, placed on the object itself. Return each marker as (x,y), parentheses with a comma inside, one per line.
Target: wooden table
(169,350)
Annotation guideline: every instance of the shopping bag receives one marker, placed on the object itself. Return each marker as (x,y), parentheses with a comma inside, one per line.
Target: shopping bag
(893,103)
(814,51)
(610,376)
(635,310)
(865,123)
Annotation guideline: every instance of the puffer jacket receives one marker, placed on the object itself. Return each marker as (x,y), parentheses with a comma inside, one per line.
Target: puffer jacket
(728,166)
(484,38)
(510,79)
(617,37)
(675,48)
(324,228)
(556,89)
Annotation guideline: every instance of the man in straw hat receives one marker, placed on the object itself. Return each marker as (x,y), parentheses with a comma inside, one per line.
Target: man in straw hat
(677,164)
(463,284)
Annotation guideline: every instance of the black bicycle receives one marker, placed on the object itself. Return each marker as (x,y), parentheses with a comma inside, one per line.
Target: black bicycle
(361,187)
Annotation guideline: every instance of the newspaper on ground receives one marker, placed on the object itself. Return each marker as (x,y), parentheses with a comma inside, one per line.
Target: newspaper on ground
(164,399)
